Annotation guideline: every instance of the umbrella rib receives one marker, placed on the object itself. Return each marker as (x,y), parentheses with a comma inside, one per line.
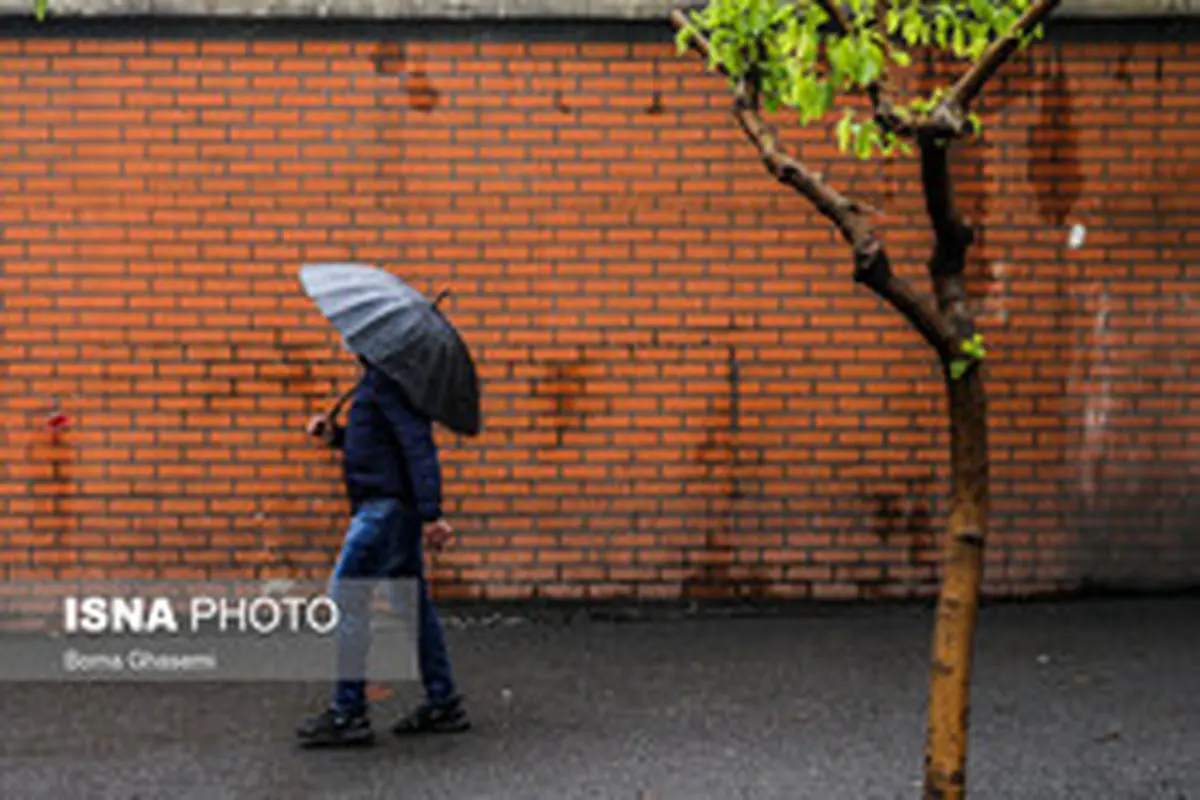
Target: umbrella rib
(370,328)
(364,300)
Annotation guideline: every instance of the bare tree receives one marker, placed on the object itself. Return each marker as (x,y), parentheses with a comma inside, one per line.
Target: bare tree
(803,54)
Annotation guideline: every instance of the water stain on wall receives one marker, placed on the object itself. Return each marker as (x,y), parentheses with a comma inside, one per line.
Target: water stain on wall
(565,384)
(50,444)
(656,106)
(905,520)
(1057,180)
(559,98)
(393,58)
(719,575)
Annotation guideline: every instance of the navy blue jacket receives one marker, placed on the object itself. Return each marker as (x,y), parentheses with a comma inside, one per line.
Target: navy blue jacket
(388,448)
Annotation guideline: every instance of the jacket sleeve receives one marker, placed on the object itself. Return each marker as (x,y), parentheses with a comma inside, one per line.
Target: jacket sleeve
(415,435)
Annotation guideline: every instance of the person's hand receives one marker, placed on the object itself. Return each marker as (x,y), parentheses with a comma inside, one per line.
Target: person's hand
(317,426)
(437,534)
(323,428)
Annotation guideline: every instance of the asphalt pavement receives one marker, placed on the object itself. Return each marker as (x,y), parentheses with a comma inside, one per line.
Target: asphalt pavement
(1095,700)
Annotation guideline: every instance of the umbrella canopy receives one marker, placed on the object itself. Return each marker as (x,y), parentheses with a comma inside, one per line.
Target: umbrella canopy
(403,333)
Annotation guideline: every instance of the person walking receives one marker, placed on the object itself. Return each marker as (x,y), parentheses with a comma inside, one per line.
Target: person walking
(393,481)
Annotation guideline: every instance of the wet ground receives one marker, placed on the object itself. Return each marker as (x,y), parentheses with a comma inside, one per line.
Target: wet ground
(1091,700)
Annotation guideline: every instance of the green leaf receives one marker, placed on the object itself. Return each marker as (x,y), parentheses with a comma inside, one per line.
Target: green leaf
(806,47)
(979,38)
(839,56)
(982,9)
(892,20)
(1003,22)
(973,347)
(958,368)
(941,29)
(683,38)
(901,57)
(41,9)
(827,96)
(726,50)
(790,92)
(862,141)
(959,41)
(869,62)
(761,18)
(803,94)
(788,38)
(845,130)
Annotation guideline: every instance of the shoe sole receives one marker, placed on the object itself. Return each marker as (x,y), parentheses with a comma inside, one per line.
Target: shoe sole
(461,727)
(355,740)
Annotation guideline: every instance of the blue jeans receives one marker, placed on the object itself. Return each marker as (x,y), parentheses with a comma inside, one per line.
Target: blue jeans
(384,541)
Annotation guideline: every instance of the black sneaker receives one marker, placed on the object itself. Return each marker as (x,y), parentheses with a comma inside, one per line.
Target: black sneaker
(428,718)
(331,728)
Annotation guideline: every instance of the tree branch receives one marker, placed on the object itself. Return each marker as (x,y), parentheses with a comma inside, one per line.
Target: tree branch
(889,117)
(949,118)
(971,84)
(952,237)
(953,234)
(839,210)
(872,266)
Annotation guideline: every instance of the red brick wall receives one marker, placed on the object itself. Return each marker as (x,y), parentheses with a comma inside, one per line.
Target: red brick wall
(685,392)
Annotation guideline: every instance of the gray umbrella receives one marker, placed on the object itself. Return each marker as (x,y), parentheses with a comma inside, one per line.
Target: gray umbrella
(402,332)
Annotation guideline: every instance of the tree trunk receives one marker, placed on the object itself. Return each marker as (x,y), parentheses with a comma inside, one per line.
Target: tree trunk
(966,528)
(958,600)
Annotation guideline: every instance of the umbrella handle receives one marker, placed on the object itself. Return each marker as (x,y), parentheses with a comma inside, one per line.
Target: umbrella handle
(442,295)
(341,401)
